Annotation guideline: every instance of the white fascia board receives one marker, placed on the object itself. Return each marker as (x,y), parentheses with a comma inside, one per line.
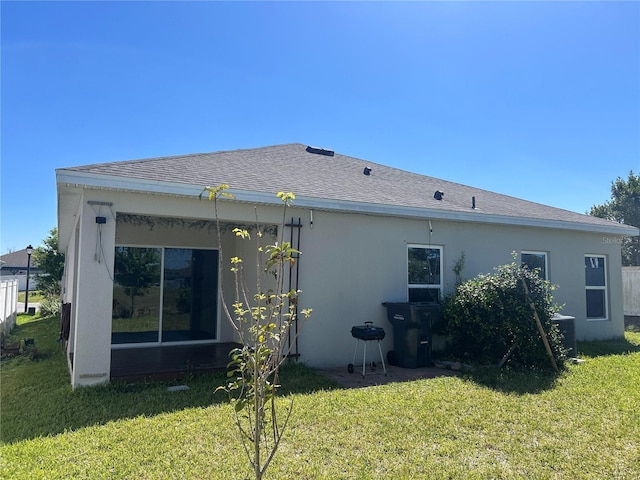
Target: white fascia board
(71,177)
(112,182)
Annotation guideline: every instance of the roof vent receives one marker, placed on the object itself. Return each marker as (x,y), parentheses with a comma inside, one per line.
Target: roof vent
(367,171)
(320,151)
(438,195)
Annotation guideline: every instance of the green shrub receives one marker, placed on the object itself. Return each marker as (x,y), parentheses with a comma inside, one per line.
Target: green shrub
(490,315)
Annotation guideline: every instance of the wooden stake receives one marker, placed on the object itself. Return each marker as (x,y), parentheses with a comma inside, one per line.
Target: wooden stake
(539,324)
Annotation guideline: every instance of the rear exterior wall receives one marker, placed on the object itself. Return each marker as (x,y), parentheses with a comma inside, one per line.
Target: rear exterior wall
(352,263)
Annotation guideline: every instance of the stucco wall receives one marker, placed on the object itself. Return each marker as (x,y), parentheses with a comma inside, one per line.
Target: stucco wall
(350,264)
(92,298)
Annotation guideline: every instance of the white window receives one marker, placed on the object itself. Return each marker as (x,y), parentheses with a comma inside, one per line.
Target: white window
(424,273)
(535,260)
(595,275)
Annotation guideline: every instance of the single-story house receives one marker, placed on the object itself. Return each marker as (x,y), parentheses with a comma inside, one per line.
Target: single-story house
(141,250)
(13,266)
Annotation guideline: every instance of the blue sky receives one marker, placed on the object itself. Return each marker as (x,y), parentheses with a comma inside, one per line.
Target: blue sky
(536,100)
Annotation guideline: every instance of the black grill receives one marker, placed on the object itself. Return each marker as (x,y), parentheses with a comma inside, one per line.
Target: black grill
(367,332)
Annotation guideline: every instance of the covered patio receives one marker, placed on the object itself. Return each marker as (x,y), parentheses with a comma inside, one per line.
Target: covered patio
(167,362)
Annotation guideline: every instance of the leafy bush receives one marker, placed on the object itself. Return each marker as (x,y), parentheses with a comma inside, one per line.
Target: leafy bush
(490,315)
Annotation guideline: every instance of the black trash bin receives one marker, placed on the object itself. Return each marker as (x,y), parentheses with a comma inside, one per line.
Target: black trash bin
(412,332)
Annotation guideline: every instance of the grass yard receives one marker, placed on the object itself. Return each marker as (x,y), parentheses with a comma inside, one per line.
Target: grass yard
(583,424)
(35,296)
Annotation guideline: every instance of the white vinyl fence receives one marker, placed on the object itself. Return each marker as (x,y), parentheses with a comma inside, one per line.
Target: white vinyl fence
(8,304)
(631,290)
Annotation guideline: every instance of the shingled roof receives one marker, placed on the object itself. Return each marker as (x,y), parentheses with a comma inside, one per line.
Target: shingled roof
(323,179)
(17,261)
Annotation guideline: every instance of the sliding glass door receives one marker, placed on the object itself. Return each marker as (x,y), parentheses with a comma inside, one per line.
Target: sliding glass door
(136,295)
(190,289)
(163,295)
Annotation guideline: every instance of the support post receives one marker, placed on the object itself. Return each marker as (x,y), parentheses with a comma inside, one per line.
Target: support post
(26,296)
(539,324)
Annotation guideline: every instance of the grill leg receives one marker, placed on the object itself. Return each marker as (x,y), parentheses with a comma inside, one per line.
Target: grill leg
(382,358)
(364,358)
(355,351)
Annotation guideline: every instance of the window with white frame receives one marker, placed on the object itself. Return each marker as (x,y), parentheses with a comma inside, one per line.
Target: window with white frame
(535,260)
(595,275)
(424,273)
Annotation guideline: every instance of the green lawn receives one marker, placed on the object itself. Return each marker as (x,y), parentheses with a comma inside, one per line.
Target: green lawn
(583,424)
(35,296)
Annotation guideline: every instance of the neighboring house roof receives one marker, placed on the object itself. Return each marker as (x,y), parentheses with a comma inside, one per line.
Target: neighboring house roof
(322,179)
(17,261)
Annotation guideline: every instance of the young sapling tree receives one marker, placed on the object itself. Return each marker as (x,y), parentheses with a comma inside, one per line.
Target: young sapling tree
(262,322)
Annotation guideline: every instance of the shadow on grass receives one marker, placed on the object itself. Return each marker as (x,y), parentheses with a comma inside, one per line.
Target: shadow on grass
(509,378)
(537,381)
(514,381)
(621,346)
(37,399)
